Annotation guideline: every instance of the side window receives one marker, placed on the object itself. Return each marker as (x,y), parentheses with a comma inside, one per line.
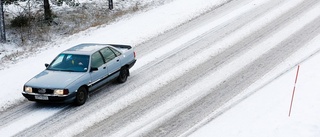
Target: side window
(96,60)
(107,54)
(116,52)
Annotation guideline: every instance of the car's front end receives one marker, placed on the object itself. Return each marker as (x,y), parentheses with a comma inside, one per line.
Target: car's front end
(47,94)
(53,86)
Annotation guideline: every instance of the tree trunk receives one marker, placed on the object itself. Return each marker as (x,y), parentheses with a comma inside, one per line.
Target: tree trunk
(110,4)
(2,26)
(47,11)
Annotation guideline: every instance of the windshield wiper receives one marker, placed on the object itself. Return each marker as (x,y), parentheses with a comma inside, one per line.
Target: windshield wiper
(69,70)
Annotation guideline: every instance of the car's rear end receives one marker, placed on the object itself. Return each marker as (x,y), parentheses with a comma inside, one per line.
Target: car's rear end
(128,54)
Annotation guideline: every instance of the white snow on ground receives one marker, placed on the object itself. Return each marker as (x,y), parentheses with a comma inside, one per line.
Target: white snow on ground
(264,107)
(28,121)
(159,114)
(264,113)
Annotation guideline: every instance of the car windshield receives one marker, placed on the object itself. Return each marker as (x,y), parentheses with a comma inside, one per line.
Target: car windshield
(70,62)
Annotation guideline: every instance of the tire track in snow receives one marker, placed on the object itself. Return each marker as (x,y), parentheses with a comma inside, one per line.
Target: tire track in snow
(176,33)
(12,125)
(239,81)
(183,39)
(176,83)
(105,128)
(11,115)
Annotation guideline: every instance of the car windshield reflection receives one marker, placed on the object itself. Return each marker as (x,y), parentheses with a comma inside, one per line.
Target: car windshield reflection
(70,63)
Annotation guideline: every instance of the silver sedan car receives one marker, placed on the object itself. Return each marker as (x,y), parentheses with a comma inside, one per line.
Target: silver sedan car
(78,70)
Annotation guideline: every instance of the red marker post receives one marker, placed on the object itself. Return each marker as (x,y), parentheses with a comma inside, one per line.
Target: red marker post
(294,89)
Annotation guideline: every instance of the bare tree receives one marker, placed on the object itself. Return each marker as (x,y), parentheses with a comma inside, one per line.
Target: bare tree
(110,4)
(2,26)
(47,10)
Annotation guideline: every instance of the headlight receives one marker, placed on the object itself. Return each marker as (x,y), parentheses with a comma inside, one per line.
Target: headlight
(61,91)
(28,89)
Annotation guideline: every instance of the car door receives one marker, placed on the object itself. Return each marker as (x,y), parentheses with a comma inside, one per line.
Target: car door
(98,71)
(112,62)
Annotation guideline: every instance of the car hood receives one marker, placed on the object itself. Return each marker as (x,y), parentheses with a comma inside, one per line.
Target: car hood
(54,79)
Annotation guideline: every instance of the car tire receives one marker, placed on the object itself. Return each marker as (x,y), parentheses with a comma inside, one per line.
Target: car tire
(123,76)
(81,96)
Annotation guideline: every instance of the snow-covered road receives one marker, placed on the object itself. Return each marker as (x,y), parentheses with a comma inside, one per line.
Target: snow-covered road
(184,75)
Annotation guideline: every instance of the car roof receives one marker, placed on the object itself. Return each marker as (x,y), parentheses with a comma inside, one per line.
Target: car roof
(85,48)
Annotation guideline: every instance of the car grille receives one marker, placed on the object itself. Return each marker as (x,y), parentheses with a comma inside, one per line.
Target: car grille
(42,91)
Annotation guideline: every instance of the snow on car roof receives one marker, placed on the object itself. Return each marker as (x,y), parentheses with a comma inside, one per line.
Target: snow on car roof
(86,48)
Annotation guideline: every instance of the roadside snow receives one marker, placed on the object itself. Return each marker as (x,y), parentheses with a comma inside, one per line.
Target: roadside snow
(263,109)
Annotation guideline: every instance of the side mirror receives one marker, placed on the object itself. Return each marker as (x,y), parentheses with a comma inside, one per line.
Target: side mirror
(47,65)
(93,69)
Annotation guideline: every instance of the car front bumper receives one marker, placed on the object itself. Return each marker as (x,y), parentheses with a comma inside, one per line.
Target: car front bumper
(48,97)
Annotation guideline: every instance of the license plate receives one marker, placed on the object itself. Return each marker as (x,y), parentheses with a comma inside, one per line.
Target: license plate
(42,97)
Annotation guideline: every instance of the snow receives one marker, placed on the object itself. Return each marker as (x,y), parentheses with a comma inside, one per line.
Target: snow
(28,121)
(178,43)
(261,110)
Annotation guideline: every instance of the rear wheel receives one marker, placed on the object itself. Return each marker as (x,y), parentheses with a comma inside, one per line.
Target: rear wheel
(123,76)
(81,96)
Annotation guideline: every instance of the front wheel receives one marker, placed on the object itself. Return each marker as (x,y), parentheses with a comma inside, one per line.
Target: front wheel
(123,76)
(81,96)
